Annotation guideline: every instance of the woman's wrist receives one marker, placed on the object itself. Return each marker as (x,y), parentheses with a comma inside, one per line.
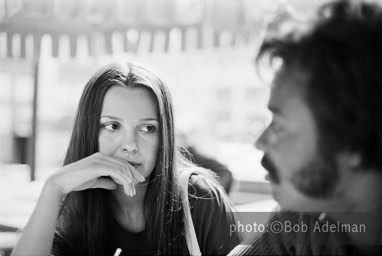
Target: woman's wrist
(51,189)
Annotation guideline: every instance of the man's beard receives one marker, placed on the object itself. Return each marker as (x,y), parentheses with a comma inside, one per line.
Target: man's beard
(317,178)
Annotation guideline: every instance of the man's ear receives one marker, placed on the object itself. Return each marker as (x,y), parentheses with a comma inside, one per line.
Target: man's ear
(349,160)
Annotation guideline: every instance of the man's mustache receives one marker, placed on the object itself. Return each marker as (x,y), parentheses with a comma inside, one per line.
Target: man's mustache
(271,168)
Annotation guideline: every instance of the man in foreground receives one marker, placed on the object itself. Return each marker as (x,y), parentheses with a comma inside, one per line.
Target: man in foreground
(323,148)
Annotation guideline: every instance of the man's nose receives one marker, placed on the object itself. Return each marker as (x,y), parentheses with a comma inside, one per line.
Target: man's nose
(262,142)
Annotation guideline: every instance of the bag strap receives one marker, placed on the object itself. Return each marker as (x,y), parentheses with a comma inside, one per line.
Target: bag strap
(192,242)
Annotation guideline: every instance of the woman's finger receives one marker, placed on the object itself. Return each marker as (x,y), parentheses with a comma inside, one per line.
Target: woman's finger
(136,175)
(126,185)
(129,169)
(114,171)
(122,164)
(105,183)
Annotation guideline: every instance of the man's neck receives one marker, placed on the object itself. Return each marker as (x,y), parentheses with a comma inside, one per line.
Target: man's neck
(358,203)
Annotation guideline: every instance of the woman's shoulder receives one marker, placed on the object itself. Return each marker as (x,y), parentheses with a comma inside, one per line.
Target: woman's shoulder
(205,191)
(202,186)
(212,215)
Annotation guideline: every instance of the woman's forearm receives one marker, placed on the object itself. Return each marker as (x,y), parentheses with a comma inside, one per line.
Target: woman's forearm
(90,172)
(37,236)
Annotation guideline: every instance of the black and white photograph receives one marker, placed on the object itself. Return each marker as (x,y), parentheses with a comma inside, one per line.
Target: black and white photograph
(190,127)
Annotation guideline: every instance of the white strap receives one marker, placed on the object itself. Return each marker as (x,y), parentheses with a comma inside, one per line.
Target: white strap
(192,242)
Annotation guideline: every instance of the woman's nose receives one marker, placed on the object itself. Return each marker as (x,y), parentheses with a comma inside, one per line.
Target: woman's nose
(129,144)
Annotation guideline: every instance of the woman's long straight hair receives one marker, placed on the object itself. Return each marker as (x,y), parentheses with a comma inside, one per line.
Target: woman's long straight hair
(85,216)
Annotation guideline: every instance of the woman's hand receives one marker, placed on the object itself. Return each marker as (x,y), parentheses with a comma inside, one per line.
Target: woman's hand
(96,171)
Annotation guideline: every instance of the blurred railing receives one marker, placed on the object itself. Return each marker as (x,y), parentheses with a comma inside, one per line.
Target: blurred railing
(104,26)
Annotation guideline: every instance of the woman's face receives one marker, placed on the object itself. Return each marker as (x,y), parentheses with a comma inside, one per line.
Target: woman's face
(129,127)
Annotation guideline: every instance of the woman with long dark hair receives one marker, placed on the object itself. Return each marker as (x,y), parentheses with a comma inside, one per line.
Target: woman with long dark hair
(124,183)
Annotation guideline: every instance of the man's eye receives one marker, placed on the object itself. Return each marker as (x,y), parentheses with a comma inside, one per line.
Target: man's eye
(148,128)
(111,127)
(275,127)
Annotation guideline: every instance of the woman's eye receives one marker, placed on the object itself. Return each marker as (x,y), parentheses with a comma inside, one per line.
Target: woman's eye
(148,128)
(111,127)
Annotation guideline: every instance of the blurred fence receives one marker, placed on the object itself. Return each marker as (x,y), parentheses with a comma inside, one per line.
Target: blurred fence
(115,26)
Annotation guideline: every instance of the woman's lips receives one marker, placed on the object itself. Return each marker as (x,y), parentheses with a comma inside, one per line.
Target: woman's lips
(136,165)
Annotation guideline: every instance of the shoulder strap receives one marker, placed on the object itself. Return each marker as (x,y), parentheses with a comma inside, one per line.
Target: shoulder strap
(192,242)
